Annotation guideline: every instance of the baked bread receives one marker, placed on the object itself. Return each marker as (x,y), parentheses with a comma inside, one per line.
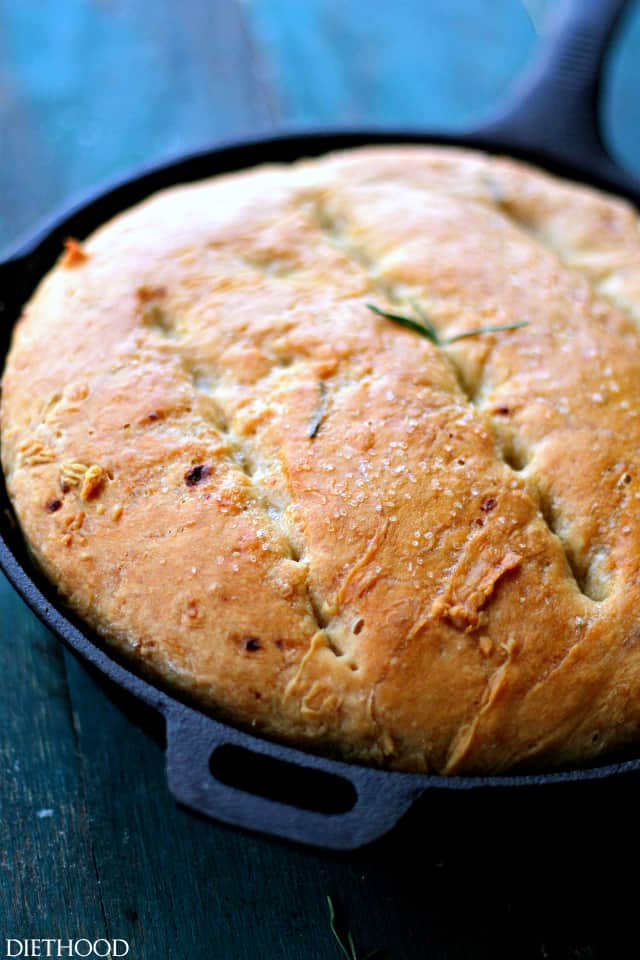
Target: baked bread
(321,525)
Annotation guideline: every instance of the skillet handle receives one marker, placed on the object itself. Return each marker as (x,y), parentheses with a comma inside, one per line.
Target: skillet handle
(553,110)
(247,782)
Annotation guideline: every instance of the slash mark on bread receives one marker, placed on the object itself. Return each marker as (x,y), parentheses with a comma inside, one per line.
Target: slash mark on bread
(471,586)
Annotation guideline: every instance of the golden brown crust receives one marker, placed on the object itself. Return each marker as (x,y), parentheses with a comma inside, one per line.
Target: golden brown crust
(318,523)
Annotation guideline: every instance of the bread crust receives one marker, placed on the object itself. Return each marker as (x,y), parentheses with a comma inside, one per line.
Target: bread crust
(318,524)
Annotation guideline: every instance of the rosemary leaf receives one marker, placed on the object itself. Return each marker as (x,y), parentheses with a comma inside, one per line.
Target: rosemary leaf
(424,320)
(426,329)
(348,948)
(421,328)
(480,330)
(349,954)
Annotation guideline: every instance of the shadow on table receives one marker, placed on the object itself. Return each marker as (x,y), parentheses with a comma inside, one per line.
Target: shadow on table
(535,871)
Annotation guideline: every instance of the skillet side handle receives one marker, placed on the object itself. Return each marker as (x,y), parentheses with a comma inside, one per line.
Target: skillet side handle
(553,109)
(215,770)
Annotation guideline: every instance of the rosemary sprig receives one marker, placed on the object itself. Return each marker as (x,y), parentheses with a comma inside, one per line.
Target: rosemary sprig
(320,411)
(489,329)
(346,944)
(424,327)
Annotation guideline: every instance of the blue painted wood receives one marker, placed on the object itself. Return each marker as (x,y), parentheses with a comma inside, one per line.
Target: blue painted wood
(621,94)
(89,89)
(47,871)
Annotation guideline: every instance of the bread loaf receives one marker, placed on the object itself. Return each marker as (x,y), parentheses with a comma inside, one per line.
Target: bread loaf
(410,544)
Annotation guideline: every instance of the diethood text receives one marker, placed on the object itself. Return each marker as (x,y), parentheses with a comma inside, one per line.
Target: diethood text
(50,947)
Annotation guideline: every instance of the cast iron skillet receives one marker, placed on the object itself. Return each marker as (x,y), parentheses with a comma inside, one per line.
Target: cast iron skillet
(216,769)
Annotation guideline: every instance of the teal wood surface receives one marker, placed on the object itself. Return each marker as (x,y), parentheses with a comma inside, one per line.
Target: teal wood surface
(90,90)
(91,843)
(405,63)
(621,100)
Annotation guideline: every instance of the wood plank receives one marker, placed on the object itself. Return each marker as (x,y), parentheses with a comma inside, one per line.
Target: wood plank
(113,87)
(47,873)
(620,100)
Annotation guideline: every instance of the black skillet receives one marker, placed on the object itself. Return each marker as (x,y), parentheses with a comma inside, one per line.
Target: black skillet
(216,769)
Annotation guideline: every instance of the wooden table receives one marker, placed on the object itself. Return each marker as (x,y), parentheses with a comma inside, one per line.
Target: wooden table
(91,843)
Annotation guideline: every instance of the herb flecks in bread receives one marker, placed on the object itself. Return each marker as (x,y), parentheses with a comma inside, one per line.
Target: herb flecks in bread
(417,551)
